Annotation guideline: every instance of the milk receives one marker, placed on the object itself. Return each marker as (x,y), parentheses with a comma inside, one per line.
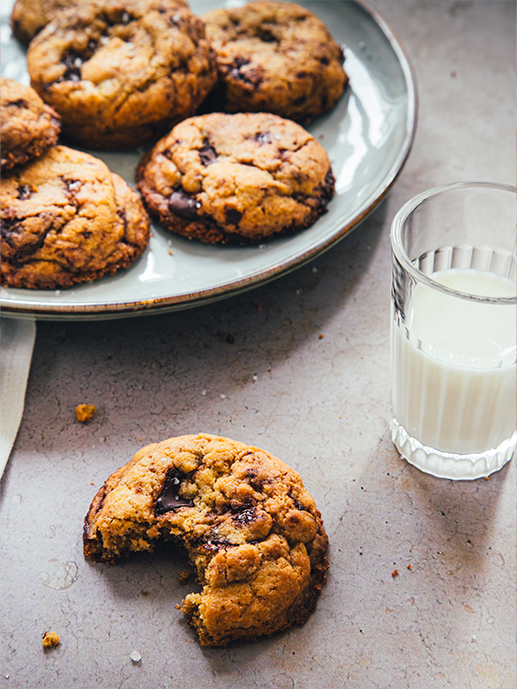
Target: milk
(453,364)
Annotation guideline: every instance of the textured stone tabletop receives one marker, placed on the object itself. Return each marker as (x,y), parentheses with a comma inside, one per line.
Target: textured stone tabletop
(300,368)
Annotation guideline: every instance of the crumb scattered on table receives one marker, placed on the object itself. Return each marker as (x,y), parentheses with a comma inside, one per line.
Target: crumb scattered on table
(183,575)
(395,573)
(50,639)
(85,412)
(135,657)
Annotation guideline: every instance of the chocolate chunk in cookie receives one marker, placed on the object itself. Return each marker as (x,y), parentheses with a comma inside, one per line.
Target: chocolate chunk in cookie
(243,177)
(66,219)
(121,72)
(276,57)
(27,126)
(249,526)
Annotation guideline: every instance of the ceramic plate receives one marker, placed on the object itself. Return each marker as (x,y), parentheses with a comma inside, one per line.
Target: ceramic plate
(368,137)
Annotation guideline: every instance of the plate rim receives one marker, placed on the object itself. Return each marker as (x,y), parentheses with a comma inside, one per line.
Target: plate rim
(187,300)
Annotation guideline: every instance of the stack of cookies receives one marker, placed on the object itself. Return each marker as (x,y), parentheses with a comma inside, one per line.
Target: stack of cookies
(122,73)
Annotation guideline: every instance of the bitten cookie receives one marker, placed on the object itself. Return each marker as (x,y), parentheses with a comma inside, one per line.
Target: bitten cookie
(276,57)
(121,72)
(66,219)
(249,526)
(27,126)
(30,16)
(244,177)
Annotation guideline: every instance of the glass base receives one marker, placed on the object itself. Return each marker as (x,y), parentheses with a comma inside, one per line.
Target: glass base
(448,465)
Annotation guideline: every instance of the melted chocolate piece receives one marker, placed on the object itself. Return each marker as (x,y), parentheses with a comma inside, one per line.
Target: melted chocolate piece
(233,215)
(20,103)
(9,226)
(25,191)
(207,154)
(268,37)
(184,206)
(212,545)
(169,500)
(329,178)
(175,20)
(263,138)
(236,73)
(72,185)
(246,516)
(73,68)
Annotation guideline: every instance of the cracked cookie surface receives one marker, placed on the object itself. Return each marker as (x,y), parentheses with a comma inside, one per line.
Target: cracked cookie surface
(242,177)
(275,57)
(121,72)
(65,219)
(27,126)
(248,524)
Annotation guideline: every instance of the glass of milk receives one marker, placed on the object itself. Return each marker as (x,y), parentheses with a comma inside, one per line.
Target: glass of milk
(453,329)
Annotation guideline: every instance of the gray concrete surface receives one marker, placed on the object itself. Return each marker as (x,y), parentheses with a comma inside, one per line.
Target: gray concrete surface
(322,405)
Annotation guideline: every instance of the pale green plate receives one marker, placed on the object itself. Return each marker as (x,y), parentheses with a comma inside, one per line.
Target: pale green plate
(368,137)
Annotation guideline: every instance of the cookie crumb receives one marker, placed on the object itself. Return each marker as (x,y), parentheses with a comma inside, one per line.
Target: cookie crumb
(257,305)
(409,567)
(183,576)
(85,412)
(321,336)
(144,592)
(395,573)
(50,639)
(135,657)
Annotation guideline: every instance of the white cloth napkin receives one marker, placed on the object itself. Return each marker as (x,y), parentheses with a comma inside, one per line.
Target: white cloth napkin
(16,345)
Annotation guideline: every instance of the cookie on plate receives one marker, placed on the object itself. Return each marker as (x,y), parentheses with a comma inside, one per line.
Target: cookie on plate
(121,72)
(242,177)
(276,57)
(250,528)
(65,219)
(30,16)
(27,126)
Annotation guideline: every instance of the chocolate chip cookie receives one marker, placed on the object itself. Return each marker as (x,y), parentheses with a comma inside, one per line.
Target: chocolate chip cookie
(250,528)
(27,126)
(66,219)
(121,72)
(30,16)
(276,57)
(242,177)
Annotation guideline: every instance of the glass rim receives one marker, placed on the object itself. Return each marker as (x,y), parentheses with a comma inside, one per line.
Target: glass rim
(402,257)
